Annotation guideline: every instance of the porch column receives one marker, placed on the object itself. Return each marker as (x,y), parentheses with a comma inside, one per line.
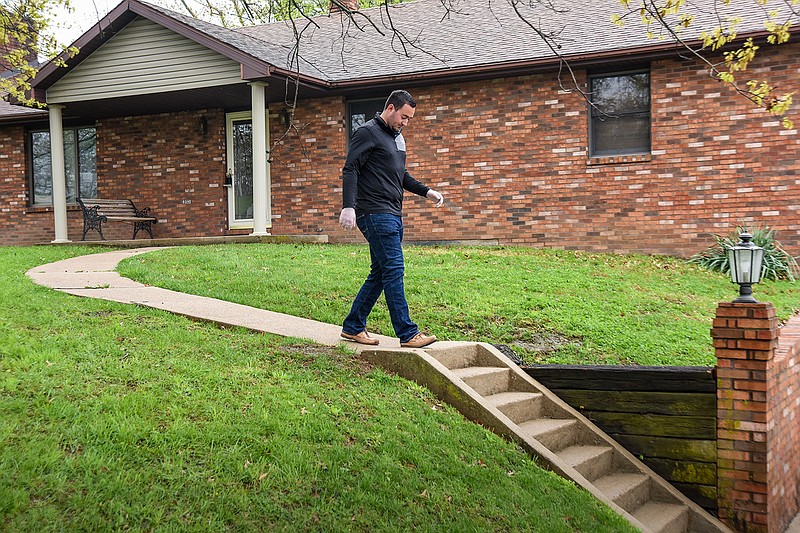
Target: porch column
(59,176)
(261,185)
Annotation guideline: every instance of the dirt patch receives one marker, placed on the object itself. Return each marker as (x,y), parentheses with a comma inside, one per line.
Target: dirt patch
(535,346)
(544,343)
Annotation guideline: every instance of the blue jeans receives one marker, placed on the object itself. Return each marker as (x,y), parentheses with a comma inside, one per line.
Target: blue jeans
(384,233)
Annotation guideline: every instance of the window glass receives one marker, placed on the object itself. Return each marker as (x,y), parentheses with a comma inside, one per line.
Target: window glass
(620,114)
(70,164)
(361,111)
(80,165)
(87,162)
(42,168)
(243,168)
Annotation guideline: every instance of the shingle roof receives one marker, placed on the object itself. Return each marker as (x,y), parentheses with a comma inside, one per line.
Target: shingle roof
(486,37)
(10,112)
(268,50)
(474,33)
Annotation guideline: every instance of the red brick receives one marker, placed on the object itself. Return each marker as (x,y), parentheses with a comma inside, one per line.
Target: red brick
(731,373)
(746,486)
(754,345)
(753,323)
(764,310)
(727,333)
(741,384)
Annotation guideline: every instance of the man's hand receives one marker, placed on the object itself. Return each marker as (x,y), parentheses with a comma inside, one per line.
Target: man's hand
(347,219)
(436,195)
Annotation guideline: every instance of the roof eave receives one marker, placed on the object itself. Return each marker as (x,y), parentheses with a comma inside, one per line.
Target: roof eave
(23,117)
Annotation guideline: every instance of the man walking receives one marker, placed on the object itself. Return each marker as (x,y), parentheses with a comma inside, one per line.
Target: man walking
(374,178)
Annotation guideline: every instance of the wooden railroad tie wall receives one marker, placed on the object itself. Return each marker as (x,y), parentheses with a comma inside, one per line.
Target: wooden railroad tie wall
(666,416)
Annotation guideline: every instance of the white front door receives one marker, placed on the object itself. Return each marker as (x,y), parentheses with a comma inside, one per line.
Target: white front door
(240,169)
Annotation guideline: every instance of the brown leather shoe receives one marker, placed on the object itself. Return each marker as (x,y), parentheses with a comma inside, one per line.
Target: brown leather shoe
(361,338)
(419,340)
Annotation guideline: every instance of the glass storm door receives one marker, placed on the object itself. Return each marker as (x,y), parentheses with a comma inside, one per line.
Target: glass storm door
(240,170)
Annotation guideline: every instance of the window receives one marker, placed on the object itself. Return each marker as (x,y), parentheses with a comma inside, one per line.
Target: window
(80,153)
(360,111)
(620,114)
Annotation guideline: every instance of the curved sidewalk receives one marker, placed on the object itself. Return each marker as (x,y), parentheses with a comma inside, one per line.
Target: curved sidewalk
(93,276)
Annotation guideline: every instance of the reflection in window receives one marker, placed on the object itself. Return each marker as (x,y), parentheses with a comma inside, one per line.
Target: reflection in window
(362,111)
(620,114)
(80,165)
(356,121)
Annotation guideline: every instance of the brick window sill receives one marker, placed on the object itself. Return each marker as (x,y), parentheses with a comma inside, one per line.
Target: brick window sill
(620,159)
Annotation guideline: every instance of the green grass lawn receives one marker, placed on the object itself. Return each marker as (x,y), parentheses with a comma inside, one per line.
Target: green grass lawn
(589,308)
(117,417)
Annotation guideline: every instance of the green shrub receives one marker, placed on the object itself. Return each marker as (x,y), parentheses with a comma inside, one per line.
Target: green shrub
(777,264)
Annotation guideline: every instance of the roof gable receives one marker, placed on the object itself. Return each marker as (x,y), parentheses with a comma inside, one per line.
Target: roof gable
(144,58)
(253,55)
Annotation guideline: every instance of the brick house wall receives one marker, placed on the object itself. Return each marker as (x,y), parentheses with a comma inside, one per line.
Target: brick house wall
(510,156)
(161,161)
(307,161)
(758,434)
(167,163)
(21,224)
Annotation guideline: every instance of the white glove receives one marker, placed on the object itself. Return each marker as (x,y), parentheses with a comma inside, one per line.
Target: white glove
(436,195)
(347,219)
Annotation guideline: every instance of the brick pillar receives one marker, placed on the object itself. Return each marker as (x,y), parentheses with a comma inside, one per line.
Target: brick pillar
(745,337)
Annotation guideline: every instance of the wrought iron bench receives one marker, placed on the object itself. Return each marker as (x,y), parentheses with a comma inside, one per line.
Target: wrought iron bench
(99,210)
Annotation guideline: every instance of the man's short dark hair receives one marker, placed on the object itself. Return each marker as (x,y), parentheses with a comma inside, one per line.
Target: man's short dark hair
(399,98)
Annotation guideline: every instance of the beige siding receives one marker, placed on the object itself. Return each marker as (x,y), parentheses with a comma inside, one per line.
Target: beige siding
(144,58)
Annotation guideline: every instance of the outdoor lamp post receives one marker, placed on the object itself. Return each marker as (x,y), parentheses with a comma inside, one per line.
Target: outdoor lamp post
(745,262)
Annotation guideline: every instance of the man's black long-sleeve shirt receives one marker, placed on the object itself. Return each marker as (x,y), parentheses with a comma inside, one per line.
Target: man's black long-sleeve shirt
(374,175)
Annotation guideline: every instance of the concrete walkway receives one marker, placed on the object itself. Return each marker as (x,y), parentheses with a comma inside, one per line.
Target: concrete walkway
(94,276)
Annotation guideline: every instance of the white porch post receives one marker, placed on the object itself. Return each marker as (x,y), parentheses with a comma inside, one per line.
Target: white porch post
(59,176)
(261,186)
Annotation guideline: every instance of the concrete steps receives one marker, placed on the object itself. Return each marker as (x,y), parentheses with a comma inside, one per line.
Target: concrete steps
(487,388)
(590,461)
(663,517)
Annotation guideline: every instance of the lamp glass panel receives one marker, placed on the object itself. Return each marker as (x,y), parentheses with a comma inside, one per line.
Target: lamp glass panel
(733,265)
(755,273)
(745,264)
